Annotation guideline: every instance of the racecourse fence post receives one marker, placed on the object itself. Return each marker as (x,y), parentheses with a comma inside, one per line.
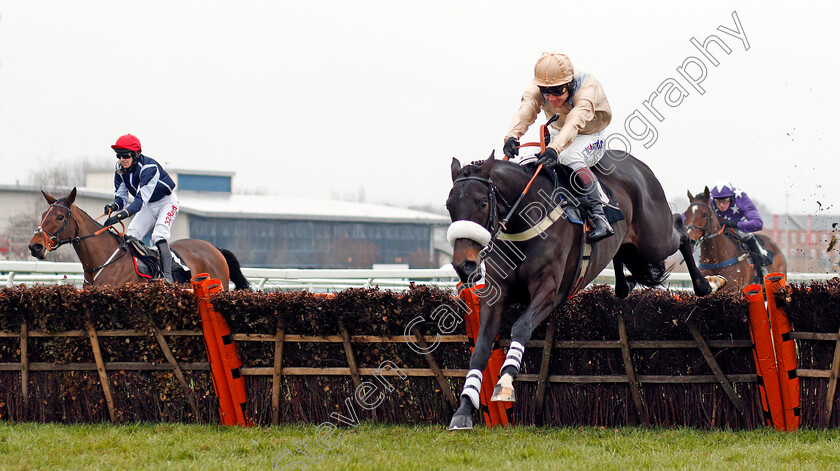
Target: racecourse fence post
(832,383)
(433,365)
(543,380)
(351,361)
(351,358)
(100,368)
(721,377)
(278,370)
(179,373)
(641,413)
(24,368)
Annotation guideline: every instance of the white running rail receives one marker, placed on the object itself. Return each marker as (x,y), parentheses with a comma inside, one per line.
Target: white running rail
(29,273)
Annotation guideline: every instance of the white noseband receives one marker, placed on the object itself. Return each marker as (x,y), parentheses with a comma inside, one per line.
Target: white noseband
(468,230)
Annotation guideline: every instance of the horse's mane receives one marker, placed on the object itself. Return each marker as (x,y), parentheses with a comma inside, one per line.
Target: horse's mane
(98,224)
(474,167)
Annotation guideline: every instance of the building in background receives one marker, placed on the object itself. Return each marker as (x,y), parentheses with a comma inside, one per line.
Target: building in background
(809,242)
(263,231)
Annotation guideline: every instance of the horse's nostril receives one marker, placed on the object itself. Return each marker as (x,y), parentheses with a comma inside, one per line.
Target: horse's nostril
(469,266)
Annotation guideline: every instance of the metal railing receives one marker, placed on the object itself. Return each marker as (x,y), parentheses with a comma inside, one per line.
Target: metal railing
(317,280)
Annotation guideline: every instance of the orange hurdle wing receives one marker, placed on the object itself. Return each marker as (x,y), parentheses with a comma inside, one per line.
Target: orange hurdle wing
(765,359)
(785,351)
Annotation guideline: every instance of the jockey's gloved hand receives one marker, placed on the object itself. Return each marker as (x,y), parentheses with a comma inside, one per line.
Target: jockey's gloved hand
(511,148)
(117,217)
(110,208)
(547,158)
(728,223)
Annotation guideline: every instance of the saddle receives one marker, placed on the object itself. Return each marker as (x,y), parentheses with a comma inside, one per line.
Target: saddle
(561,175)
(765,260)
(147,261)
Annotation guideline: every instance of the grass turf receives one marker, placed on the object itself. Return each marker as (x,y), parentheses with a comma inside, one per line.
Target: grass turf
(179,446)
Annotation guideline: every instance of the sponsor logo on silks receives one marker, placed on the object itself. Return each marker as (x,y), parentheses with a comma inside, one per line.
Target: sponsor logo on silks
(597,145)
(171,214)
(594,147)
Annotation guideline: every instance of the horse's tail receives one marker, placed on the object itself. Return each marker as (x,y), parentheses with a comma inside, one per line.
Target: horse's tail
(236,276)
(645,273)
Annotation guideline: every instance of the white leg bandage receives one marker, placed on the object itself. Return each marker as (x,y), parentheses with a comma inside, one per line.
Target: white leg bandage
(472,387)
(468,230)
(514,356)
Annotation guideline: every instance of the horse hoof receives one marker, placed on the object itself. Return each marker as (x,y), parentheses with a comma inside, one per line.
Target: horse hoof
(461,422)
(503,394)
(623,290)
(717,282)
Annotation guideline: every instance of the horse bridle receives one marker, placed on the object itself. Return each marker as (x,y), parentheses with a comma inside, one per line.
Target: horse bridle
(705,228)
(492,225)
(54,242)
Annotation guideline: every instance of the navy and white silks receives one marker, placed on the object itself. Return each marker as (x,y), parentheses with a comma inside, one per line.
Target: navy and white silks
(155,204)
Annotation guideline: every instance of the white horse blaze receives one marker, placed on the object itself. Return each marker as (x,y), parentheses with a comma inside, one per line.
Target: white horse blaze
(468,230)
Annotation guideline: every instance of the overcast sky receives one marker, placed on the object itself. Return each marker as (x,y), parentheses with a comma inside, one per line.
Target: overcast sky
(322,98)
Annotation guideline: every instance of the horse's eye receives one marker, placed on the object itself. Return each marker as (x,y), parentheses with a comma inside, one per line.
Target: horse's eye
(483,204)
(60,217)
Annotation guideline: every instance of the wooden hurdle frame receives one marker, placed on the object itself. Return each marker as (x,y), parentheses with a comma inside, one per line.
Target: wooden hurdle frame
(279,369)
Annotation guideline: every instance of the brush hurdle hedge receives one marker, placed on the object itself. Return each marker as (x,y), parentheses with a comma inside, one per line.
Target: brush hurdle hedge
(135,353)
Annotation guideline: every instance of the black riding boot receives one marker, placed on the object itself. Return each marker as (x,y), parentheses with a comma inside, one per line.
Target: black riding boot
(165,260)
(757,253)
(591,203)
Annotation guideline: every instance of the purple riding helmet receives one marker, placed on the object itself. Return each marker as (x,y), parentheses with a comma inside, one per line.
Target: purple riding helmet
(741,209)
(723,189)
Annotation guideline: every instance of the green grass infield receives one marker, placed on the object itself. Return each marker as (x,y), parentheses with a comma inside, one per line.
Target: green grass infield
(176,446)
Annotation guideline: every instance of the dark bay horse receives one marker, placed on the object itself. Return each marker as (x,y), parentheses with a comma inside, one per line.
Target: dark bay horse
(719,249)
(536,259)
(104,255)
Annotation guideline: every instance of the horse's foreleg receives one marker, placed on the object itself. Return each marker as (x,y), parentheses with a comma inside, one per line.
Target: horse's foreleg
(701,285)
(491,317)
(541,304)
(623,284)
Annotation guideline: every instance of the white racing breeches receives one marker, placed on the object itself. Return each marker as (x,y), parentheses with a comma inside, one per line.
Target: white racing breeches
(157,217)
(586,149)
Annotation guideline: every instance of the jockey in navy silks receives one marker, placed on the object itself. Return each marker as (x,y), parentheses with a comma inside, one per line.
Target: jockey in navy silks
(577,137)
(155,204)
(736,210)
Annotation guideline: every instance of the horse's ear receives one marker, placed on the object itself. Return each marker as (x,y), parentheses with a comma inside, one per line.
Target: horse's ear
(456,168)
(71,197)
(706,193)
(488,164)
(48,197)
(690,196)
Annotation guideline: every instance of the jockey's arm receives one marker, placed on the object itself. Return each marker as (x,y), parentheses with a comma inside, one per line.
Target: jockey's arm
(121,193)
(148,182)
(751,221)
(525,115)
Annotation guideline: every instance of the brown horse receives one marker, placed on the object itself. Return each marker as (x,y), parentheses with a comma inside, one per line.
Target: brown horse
(538,260)
(103,253)
(720,251)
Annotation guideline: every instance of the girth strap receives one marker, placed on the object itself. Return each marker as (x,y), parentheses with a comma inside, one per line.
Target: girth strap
(723,264)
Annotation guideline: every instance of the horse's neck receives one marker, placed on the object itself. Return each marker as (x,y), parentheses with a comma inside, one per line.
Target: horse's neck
(541,192)
(93,252)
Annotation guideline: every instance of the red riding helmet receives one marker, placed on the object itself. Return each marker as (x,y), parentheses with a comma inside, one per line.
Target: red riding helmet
(127,142)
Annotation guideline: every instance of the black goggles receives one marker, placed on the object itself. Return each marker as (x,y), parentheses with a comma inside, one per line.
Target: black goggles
(556,90)
(125,155)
